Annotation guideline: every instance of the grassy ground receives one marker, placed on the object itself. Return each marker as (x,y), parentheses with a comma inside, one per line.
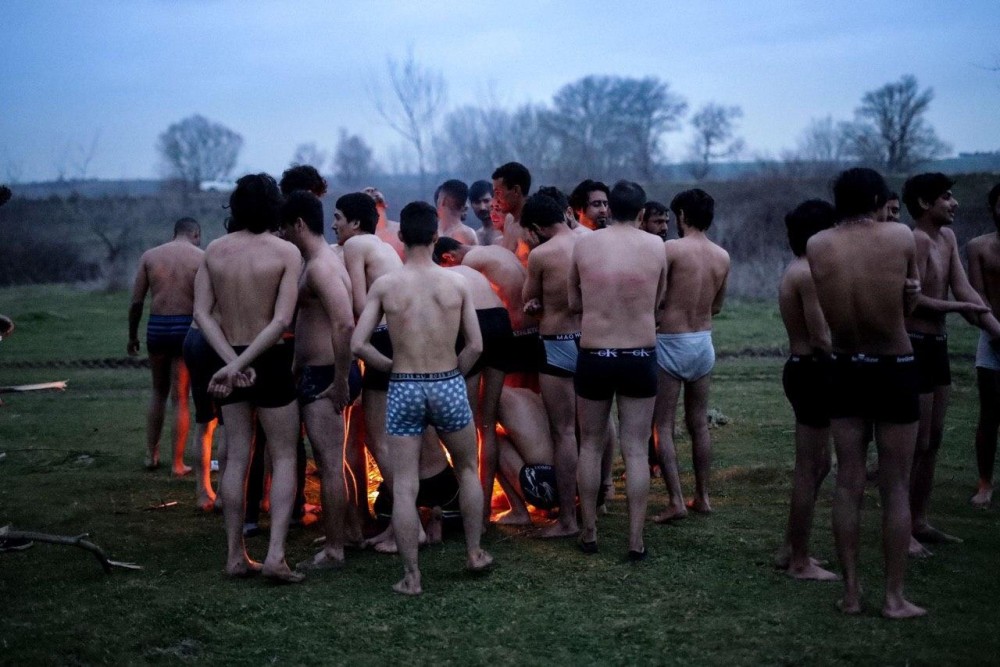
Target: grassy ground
(708,593)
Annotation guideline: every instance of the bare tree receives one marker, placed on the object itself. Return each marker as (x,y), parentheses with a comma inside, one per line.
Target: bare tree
(81,156)
(890,130)
(715,137)
(310,154)
(822,149)
(417,100)
(353,162)
(196,149)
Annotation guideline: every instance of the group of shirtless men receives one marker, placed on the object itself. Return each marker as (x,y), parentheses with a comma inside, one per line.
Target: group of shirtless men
(514,343)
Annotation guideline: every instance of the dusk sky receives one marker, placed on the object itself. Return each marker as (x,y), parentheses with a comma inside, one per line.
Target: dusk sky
(115,74)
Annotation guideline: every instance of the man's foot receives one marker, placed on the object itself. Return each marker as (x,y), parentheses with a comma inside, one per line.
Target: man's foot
(700,505)
(321,561)
(389,546)
(282,574)
(243,568)
(851,607)
(556,530)
(182,471)
(983,498)
(479,562)
(589,548)
(812,572)
(152,462)
(637,556)
(917,550)
(207,502)
(672,513)
(931,535)
(902,609)
(409,585)
(512,518)
(435,527)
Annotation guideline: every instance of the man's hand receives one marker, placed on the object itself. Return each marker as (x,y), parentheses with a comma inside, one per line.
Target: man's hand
(911,294)
(339,394)
(228,378)
(970,308)
(533,307)
(133,347)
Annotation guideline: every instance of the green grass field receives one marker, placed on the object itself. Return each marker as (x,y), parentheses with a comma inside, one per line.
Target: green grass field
(707,595)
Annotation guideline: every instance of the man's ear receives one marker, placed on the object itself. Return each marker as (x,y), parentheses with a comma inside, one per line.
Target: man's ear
(923,204)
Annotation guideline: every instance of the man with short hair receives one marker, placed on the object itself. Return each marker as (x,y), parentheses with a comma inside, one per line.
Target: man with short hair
(450,199)
(589,201)
(244,301)
(511,183)
(167,271)
(302,177)
(617,281)
(425,308)
(386,229)
(480,198)
(806,382)
(866,280)
(324,323)
(932,206)
(890,212)
(984,275)
(545,294)
(655,219)
(697,271)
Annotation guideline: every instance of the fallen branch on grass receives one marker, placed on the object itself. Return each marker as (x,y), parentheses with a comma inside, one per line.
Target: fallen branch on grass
(80,541)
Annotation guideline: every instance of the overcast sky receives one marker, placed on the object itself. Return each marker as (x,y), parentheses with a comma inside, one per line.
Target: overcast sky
(78,73)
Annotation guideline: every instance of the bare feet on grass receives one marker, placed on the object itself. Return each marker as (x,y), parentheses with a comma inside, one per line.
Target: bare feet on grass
(931,535)
(513,518)
(983,497)
(207,503)
(849,605)
(672,513)
(323,560)
(181,471)
(435,527)
(409,584)
(811,572)
(388,544)
(152,461)
(479,561)
(280,573)
(700,505)
(902,608)
(556,529)
(242,569)
(917,550)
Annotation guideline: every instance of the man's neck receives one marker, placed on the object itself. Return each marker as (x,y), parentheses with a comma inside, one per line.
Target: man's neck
(419,255)
(928,225)
(312,245)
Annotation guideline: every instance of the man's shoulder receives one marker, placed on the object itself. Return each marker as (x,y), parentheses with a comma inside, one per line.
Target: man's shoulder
(983,243)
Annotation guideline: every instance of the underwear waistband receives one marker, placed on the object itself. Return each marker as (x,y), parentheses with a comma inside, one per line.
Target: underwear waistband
(424,377)
(527,331)
(686,334)
(916,335)
(861,358)
(564,336)
(615,352)
(380,328)
(807,358)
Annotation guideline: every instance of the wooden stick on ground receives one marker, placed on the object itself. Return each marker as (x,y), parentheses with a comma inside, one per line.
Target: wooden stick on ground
(73,541)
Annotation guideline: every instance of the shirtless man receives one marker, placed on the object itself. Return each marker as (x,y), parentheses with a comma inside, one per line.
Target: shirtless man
(655,219)
(480,199)
(617,281)
(697,270)
(302,177)
(368,258)
(984,274)
(511,183)
(167,271)
(866,280)
(806,383)
(244,301)
(386,229)
(929,201)
(589,201)
(425,307)
(545,295)
(507,276)
(526,455)
(451,200)
(323,327)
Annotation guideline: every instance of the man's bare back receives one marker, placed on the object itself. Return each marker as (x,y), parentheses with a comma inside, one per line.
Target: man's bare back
(805,325)
(548,284)
(506,273)
(170,269)
(480,289)
(367,258)
(697,270)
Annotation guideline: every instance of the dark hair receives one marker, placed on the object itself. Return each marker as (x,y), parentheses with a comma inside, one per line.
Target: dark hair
(992,197)
(254,204)
(186,226)
(808,218)
(541,211)
(555,193)
(892,195)
(514,173)
(303,204)
(859,191)
(626,201)
(361,207)
(303,177)
(418,223)
(698,207)
(5,194)
(653,208)
(455,190)
(479,189)
(928,186)
(580,196)
(444,244)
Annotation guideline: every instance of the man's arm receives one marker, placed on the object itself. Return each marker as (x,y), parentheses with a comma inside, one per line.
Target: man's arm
(371,315)
(470,331)
(337,304)
(204,302)
(911,285)
(354,260)
(720,296)
(963,290)
(531,293)
(819,330)
(139,288)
